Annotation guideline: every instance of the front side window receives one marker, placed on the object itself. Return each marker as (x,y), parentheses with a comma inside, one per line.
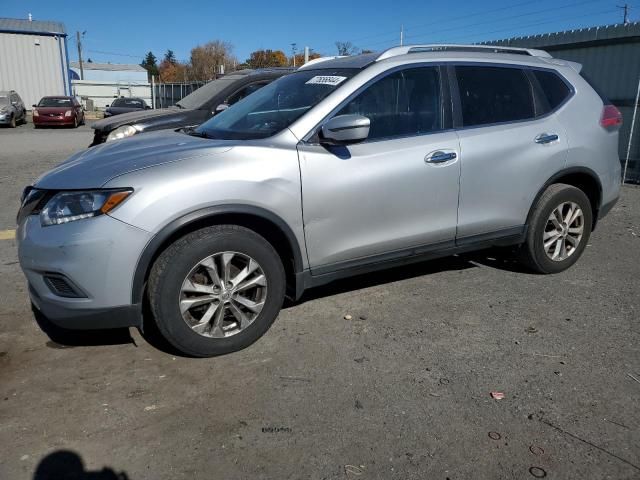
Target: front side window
(493,95)
(128,103)
(404,103)
(273,108)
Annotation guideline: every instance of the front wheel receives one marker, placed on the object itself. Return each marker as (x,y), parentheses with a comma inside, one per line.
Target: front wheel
(216,290)
(12,122)
(559,229)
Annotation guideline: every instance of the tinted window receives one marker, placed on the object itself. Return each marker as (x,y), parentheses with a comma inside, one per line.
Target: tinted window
(246,91)
(554,89)
(128,103)
(494,95)
(401,104)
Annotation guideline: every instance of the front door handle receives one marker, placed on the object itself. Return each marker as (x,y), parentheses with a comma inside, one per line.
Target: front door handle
(440,157)
(546,138)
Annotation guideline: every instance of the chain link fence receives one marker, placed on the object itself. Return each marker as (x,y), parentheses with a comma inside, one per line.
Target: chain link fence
(168,94)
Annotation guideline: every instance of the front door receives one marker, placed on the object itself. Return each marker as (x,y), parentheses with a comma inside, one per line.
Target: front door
(394,194)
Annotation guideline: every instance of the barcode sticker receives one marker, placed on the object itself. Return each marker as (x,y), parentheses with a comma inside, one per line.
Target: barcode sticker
(326,80)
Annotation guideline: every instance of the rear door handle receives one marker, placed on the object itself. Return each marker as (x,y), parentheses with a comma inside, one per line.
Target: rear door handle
(546,138)
(440,157)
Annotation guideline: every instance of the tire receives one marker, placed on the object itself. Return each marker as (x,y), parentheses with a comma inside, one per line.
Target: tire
(12,122)
(565,244)
(182,261)
(75,122)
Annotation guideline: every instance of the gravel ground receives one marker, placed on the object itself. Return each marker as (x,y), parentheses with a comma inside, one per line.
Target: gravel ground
(400,391)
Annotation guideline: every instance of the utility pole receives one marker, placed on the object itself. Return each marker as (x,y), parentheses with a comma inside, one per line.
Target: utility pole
(293,49)
(80,54)
(626,9)
(306,54)
(401,35)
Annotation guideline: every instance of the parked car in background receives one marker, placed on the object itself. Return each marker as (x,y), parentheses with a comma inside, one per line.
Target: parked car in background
(58,111)
(347,166)
(192,110)
(126,105)
(12,109)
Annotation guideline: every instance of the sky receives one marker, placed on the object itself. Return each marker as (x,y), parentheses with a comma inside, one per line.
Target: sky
(124,32)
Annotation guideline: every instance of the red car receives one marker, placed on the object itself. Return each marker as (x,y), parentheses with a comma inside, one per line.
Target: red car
(65,111)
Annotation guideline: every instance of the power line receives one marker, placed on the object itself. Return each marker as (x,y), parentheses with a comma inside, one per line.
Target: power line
(488,23)
(115,54)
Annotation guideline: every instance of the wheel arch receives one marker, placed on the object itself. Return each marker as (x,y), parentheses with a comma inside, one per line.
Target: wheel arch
(264,222)
(580,177)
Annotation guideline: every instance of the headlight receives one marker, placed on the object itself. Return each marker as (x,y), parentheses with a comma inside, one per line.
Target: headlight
(65,207)
(123,132)
(35,113)
(68,113)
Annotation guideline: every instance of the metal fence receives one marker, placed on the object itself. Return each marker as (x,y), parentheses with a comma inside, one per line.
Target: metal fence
(168,94)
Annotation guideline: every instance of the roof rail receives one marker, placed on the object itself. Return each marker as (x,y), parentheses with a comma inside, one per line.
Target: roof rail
(315,61)
(395,51)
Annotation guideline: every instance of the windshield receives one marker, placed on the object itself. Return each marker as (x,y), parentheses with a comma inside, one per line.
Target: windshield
(205,93)
(127,102)
(55,102)
(276,106)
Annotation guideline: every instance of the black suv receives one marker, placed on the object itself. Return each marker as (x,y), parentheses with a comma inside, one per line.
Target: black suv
(192,110)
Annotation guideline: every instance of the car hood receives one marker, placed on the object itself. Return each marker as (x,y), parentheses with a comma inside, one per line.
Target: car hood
(94,167)
(111,123)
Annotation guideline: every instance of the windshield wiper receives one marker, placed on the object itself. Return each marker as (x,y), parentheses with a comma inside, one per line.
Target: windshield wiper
(194,133)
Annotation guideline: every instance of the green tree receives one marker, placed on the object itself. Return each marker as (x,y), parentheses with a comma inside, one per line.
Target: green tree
(150,64)
(170,57)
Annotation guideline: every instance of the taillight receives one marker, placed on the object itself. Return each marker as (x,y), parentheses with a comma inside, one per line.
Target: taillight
(611,117)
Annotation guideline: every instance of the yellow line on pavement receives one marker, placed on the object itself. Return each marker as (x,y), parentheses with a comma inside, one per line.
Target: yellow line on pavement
(7,234)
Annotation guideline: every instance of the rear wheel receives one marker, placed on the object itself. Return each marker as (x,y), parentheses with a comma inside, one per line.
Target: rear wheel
(216,290)
(559,229)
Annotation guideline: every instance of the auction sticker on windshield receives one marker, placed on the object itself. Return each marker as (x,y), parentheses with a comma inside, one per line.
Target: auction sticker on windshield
(326,80)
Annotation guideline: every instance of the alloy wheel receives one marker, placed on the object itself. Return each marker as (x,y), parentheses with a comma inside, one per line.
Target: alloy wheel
(223,294)
(563,231)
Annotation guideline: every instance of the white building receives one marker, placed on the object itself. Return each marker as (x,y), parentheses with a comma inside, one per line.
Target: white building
(105,81)
(33,59)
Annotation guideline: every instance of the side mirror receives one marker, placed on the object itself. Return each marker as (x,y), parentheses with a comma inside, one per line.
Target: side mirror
(147,107)
(34,105)
(345,129)
(220,108)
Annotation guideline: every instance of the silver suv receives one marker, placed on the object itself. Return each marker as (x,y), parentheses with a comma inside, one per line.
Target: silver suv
(346,166)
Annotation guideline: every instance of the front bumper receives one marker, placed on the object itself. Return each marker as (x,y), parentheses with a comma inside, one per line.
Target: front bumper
(44,120)
(5,118)
(97,256)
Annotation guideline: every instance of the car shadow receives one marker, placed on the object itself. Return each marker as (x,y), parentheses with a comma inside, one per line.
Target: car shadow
(499,258)
(68,465)
(60,338)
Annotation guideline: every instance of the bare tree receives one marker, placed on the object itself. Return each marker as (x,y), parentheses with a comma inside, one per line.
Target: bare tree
(346,48)
(207,59)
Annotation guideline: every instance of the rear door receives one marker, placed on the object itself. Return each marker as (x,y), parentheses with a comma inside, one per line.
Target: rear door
(384,198)
(510,146)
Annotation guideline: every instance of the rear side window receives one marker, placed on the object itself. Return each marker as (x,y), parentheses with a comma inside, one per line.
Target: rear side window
(493,95)
(554,89)
(404,103)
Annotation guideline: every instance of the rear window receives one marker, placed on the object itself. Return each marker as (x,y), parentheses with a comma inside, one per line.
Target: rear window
(494,95)
(554,89)
(128,102)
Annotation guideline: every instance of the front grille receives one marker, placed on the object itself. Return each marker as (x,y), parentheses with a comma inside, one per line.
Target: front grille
(61,286)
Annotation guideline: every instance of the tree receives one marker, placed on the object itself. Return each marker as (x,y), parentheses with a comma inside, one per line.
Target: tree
(300,58)
(206,60)
(169,57)
(267,58)
(150,64)
(346,48)
(172,72)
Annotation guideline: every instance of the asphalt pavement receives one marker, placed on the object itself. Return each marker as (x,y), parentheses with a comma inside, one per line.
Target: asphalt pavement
(402,390)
